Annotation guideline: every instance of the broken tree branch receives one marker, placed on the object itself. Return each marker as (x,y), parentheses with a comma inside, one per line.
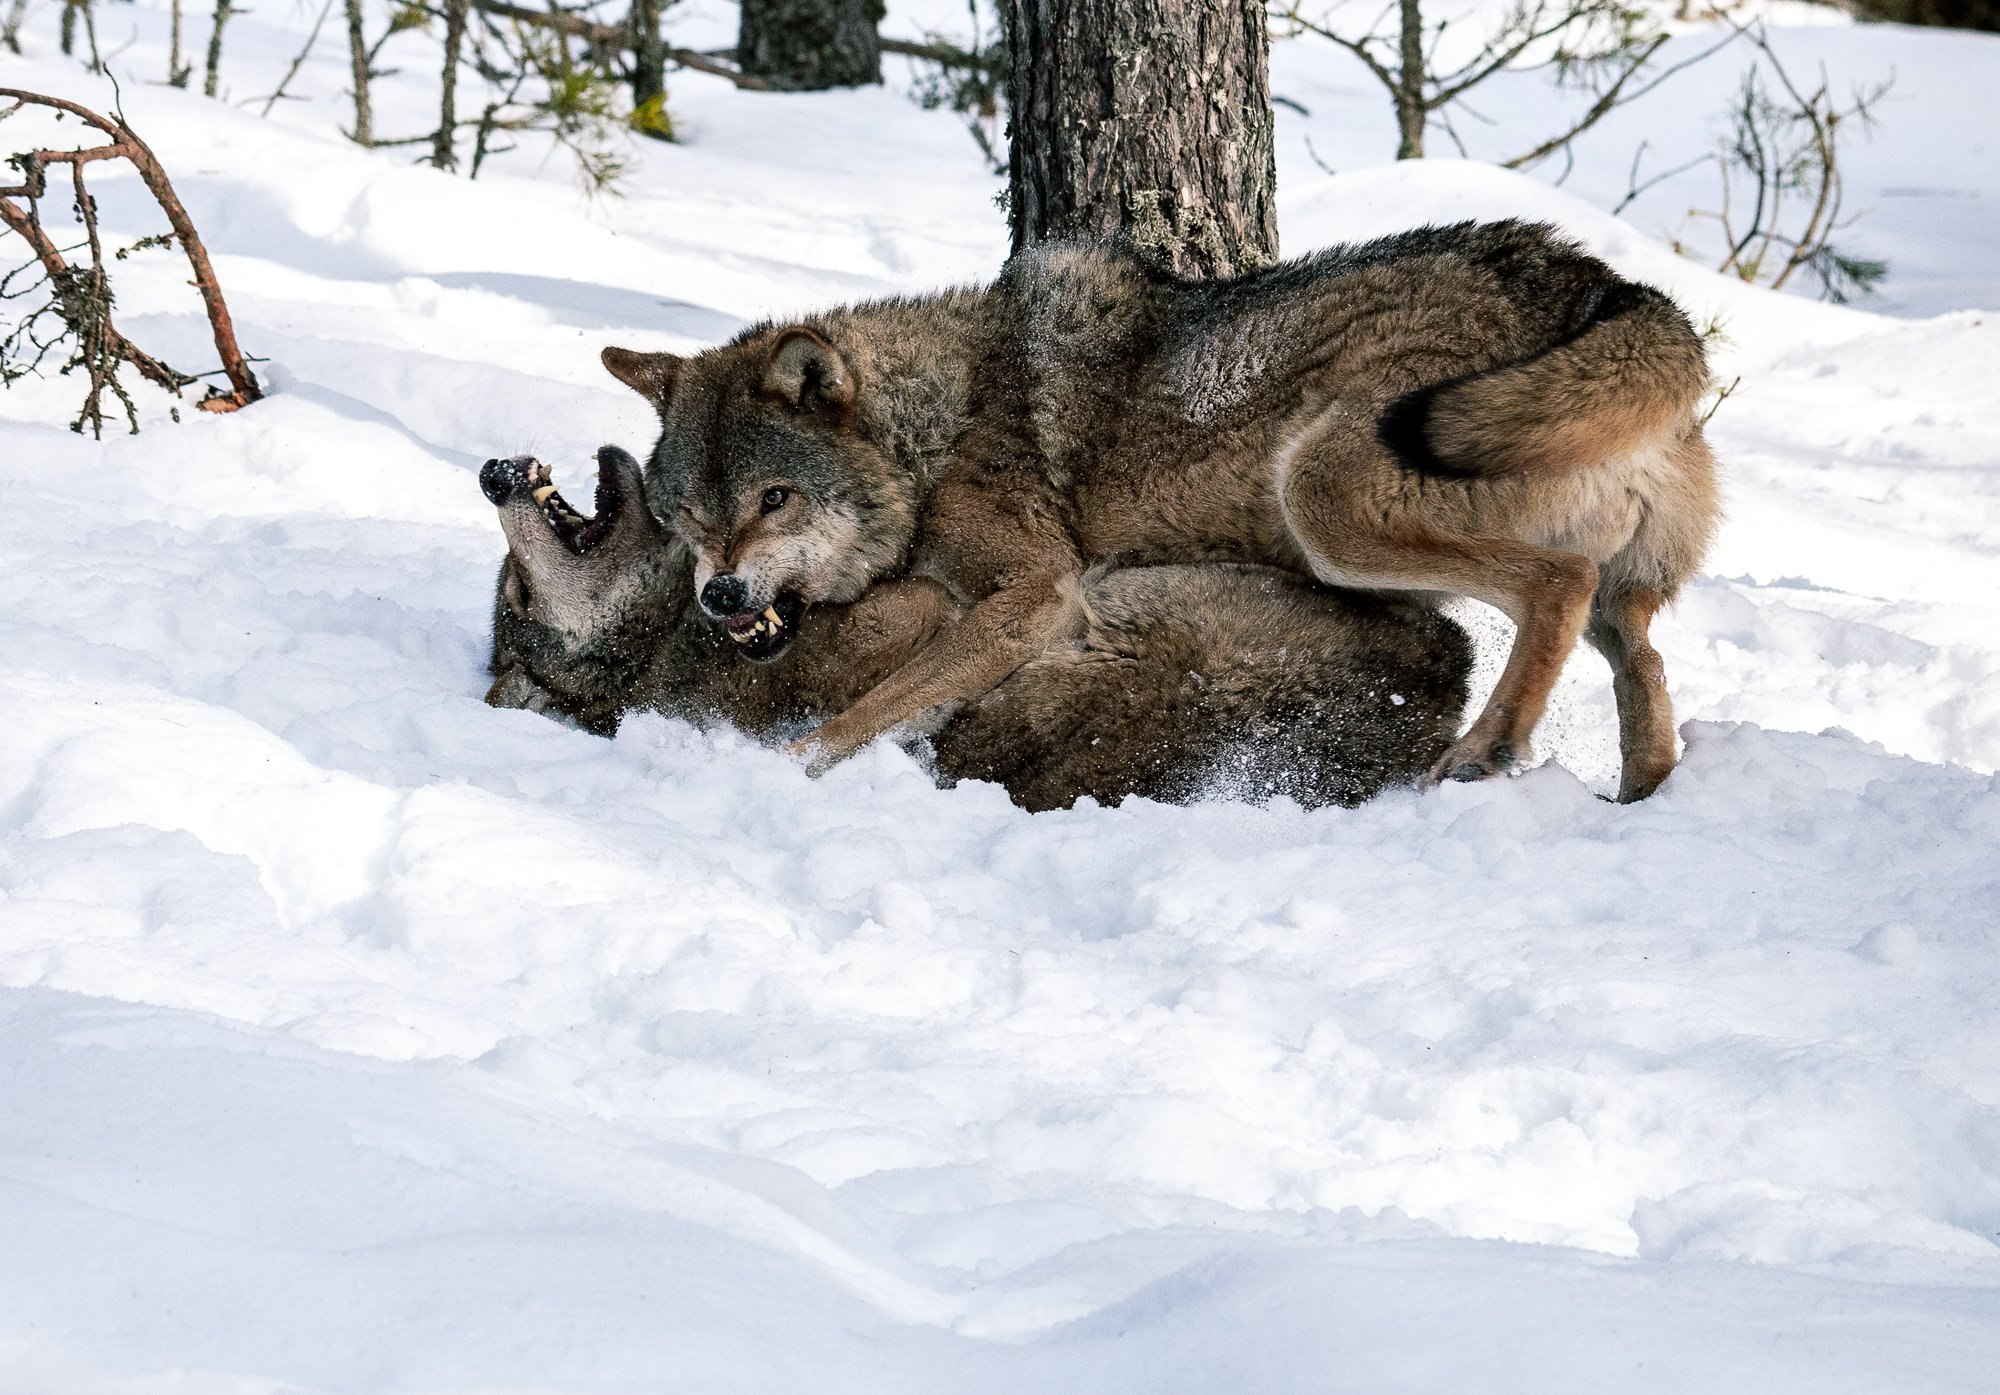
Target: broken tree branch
(81,295)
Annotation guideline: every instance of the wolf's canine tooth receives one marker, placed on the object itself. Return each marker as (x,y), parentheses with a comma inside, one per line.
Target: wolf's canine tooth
(542,494)
(771,614)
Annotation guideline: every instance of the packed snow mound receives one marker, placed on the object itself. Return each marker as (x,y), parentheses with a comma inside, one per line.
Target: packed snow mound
(358,1037)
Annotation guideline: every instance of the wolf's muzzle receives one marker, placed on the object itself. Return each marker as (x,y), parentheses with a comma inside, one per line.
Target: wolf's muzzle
(500,478)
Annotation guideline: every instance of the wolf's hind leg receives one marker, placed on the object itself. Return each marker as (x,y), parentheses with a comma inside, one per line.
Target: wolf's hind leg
(1544,591)
(1620,619)
(1547,595)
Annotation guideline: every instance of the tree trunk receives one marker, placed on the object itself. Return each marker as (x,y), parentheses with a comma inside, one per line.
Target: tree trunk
(213,80)
(1146,117)
(809,45)
(177,71)
(444,149)
(1411,113)
(357,54)
(649,72)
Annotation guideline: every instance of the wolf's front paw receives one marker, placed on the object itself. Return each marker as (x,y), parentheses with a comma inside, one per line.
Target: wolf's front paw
(819,756)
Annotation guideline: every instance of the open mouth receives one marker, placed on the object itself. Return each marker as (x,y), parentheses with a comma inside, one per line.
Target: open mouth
(762,635)
(502,479)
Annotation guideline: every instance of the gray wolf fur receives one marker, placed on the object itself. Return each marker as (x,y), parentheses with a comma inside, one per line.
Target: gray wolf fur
(1169,681)
(1483,410)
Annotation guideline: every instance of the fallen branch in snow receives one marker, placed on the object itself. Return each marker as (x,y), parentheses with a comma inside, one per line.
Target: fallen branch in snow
(80,297)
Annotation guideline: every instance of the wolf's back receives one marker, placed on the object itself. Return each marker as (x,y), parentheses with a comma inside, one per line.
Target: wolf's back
(1632,377)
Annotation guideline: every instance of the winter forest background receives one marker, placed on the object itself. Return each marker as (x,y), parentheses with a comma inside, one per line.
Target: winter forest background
(358,1037)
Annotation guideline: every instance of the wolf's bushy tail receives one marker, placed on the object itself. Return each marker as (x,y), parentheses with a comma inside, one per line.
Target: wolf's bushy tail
(1633,375)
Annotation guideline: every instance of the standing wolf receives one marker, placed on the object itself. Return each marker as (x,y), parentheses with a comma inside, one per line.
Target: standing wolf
(1175,679)
(1483,409)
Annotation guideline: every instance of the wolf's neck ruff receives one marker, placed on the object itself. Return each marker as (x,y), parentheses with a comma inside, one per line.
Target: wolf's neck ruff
(918,362)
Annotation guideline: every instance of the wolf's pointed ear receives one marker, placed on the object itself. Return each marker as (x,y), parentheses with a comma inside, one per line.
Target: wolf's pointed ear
(512,589)
(805,371)
(650,375)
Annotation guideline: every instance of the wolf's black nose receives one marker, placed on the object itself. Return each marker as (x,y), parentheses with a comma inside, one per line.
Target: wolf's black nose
(497,479)
(724,594)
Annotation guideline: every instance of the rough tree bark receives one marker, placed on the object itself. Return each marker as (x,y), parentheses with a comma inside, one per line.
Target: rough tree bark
(809,45)
(1147,117)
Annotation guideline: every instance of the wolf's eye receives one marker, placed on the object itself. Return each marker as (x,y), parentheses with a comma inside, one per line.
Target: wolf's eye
(774,498)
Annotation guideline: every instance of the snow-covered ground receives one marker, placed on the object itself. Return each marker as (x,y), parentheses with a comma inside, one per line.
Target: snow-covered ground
(355,1037)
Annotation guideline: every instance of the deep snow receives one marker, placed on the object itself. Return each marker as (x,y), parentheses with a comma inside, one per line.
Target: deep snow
(360,1038)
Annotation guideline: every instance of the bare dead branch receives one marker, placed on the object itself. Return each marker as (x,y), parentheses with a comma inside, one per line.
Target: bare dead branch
(949,55)
(1605,41)
(81,295)
(616,37)
(1784,142)
(1634,186)
(1607,101)
(299,61)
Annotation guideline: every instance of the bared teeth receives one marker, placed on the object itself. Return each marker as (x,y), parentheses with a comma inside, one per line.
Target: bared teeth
(542,494)
(767,624)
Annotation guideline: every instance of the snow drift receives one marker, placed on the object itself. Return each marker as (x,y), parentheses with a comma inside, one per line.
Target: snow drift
(358,1037)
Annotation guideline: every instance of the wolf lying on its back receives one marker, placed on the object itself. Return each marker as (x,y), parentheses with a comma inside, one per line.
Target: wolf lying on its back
(1175,678)
(1482,409)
